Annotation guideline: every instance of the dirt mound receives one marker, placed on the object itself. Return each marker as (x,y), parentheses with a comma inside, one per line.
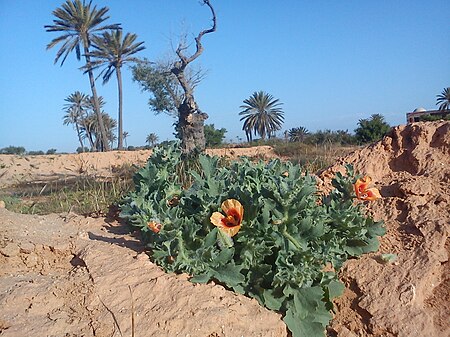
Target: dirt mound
(76,276)
(411,167)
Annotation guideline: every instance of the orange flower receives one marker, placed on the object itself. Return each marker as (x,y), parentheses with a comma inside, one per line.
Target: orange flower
(364,193)
(231,223)
(154,226)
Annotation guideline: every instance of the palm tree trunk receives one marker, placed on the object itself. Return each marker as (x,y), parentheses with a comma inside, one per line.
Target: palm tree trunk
(91,141)
(104,139)
(119,87)
(88,133)
(79,136)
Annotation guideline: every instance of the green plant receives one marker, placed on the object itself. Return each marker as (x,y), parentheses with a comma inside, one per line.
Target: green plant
(214,137)
(19,150)
(432,118)
(372,129)
(289,244)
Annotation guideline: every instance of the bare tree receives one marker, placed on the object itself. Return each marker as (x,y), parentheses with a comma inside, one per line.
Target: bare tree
(190,118)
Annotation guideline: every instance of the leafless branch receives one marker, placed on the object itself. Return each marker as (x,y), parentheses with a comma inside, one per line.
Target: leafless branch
(185,60)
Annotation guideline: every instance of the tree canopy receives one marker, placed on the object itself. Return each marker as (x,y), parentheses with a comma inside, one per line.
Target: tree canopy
(371,129)
(443,99)
(213,136)
(262,114)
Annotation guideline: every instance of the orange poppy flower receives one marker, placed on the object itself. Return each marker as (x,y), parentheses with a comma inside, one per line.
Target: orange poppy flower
(231,222)
(364,193)
(154,226)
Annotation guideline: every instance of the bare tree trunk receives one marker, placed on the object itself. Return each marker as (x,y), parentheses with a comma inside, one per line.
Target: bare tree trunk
(191,119)
(191,122)
(98,113)
(79,136)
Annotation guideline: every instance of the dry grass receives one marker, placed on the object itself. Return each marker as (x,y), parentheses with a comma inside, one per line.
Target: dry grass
(87,195)
(312,158)
(91,195)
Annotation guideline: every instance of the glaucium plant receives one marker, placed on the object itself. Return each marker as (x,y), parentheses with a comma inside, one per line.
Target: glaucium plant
(260,229)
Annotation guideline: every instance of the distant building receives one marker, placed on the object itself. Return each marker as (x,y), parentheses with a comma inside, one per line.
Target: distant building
(416,115)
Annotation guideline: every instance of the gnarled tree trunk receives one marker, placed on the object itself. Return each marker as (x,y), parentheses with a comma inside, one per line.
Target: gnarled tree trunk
(191,119)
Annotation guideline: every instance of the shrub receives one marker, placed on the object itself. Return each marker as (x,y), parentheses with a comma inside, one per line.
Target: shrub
(82,149)
(432,118)
(322,137)
(289,244)
(35,153)
(213,136)
(19,150)
(372,129)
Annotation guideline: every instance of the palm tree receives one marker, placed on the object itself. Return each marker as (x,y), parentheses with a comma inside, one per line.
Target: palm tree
(76,109)
(112,52)
(125,135)
(151,139)
(262,114)
(444,99)
(78,22)
(92,130)
(298,134)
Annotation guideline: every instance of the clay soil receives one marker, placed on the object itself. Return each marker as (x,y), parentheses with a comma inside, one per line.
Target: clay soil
(70,275)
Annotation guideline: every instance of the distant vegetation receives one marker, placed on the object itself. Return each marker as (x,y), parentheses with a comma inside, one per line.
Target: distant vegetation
(293,143)
(432,118)
(20,150)
(13,150)
(214,137)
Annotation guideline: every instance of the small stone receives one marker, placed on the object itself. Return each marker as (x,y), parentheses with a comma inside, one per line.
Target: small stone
(10,250)
(2,204)
(26,247)
(141,257)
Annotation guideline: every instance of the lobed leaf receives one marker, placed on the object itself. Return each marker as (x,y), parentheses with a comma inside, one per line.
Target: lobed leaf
(286,237)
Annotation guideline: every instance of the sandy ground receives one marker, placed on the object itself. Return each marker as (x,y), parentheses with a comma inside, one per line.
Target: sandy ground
(22,169)
(67,275)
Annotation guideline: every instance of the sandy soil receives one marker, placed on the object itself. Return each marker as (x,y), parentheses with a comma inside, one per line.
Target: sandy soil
(67,275)
(22,169)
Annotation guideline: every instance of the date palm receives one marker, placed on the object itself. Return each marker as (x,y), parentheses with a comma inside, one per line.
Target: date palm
(76,109)
(443,99)
(298,134)
(262,115)
(91,126)
(151,139)
(125,135)
(79,22)
(112,52)
(92,130)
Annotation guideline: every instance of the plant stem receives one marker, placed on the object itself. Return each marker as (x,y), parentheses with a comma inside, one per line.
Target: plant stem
(291,239)
(181,249)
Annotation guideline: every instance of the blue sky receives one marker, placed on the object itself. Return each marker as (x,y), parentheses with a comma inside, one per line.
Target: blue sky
(330,62)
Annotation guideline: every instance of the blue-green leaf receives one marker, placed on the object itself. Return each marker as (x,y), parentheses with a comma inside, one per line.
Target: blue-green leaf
(302,327)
